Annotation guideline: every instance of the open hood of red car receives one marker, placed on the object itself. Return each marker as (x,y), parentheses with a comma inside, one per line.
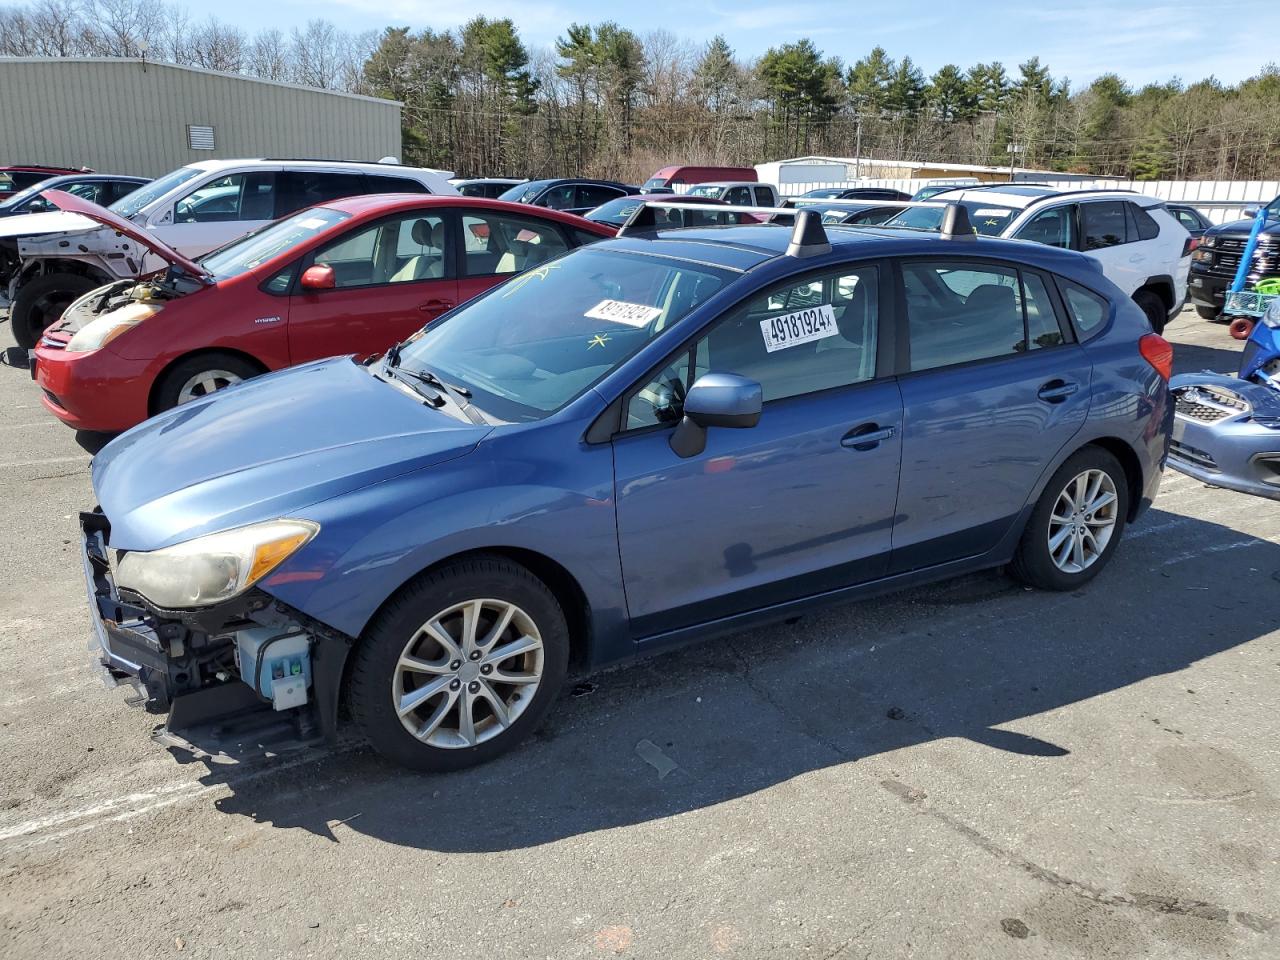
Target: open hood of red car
(73,204)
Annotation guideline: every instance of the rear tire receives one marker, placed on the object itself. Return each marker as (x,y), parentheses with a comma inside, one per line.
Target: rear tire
(40,303)
(419,665)
(1207,313)
(1154,308)
(198,376)
(1073,511)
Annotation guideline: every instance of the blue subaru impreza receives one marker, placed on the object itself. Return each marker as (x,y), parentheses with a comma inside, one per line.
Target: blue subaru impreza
(668,435)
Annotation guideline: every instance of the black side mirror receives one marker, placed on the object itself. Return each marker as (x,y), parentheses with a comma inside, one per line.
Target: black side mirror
(716,400)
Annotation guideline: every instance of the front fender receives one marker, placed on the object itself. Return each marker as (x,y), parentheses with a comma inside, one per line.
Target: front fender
(375,540)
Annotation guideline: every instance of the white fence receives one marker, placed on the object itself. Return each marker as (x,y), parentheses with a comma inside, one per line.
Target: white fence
(1219,200)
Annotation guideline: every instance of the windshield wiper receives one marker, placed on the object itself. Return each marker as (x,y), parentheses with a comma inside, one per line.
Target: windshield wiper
(418,385)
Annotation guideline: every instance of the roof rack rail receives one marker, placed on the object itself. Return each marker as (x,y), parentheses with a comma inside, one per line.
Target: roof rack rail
(808,236)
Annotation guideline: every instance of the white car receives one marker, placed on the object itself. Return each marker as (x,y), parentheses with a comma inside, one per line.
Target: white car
(48,260)
(738,193)
(1143,248)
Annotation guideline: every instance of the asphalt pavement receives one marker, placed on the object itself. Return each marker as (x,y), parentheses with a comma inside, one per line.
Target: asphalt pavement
(970,769)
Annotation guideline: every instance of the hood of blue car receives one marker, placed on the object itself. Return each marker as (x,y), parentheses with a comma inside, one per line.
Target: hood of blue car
(267,449)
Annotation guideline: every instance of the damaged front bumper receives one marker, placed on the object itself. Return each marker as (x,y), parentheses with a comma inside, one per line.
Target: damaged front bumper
(187,664)
(1226,433)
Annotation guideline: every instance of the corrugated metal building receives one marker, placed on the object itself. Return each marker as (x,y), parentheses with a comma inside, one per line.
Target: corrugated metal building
(146,118)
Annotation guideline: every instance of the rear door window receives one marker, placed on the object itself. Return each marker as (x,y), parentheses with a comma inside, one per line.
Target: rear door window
(592,195)
(1103,224)
(558,198)
(498,243)
(764,197)
(1054,228)
(296,189)
(958,313)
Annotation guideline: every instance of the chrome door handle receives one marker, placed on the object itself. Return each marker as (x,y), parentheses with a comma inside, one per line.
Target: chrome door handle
(866,437)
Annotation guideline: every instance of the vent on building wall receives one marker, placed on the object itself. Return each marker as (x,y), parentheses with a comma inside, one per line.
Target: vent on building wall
(199,138)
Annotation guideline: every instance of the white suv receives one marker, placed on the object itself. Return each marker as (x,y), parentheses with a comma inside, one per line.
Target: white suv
(1143,249)
(47,260)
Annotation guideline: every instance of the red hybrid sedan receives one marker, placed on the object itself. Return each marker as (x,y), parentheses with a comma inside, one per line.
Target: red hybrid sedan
(350,276)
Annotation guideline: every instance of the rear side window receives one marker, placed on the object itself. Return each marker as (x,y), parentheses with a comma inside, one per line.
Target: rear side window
(1103,224)
(1088,310)
(377,183)
(1146,225)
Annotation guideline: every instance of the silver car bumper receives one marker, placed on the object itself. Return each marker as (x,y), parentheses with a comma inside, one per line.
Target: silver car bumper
(1226,433)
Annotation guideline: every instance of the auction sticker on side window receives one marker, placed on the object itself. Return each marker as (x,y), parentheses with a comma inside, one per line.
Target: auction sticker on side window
(619,311)
(803,326)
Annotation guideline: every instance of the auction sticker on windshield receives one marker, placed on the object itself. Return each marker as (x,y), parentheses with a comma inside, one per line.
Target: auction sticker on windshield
(803,326)
(619,311)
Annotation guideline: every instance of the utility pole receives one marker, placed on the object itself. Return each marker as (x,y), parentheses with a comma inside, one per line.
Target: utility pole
(857,144)
(1013,149)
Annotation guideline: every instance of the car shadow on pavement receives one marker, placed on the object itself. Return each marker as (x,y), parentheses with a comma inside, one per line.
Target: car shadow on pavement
(723,720)
(1194,358)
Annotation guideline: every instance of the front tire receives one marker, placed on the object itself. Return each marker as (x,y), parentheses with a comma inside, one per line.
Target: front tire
(461,666)
(1154,308)
(1207,313)
(196,377)
(1076,524)
(40,303)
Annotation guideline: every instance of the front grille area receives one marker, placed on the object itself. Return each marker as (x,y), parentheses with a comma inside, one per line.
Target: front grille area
(1226,258)
(1192,455)
(1200,404)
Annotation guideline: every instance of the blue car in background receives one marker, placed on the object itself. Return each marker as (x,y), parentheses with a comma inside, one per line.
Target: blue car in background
(672,434)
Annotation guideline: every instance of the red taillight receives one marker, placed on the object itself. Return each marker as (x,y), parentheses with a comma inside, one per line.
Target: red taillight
(1190,246)
(1158,352)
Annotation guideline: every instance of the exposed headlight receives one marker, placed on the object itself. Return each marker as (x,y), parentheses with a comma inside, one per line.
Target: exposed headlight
(100,331)
(1208,240)
(214,568)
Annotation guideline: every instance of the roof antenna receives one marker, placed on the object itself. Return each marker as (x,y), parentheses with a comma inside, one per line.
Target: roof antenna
(808,239)
(955,223)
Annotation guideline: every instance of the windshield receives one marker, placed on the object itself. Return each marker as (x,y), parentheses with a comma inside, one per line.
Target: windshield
(528,347)
(987,219)
(131,203)
(827,192)
(257,248)
(706,190)
(655,182)
(524,192)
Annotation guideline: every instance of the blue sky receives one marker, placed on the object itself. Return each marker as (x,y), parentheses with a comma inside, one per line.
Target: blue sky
(1142,41)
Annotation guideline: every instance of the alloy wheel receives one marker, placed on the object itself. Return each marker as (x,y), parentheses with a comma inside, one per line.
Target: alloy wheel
(468,673)
(205,383)
(1083,521)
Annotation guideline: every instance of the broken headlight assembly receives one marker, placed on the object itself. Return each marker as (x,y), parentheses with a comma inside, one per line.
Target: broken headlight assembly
(212,568)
